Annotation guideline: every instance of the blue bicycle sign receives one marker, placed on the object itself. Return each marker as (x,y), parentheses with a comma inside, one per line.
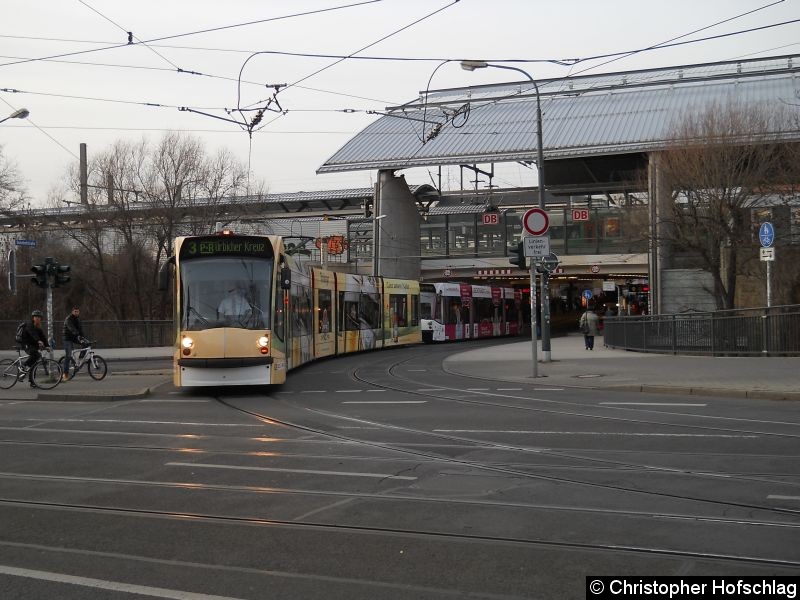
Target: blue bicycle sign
(766,234)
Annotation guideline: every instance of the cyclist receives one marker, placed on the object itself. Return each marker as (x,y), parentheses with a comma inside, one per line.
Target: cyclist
(33,340)
(73,334)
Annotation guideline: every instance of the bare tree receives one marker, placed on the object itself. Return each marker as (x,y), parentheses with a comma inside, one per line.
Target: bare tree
(141,196)
(721,163)
(12,187)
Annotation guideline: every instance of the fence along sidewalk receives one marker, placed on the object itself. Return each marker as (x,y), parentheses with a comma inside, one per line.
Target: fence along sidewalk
(773,331)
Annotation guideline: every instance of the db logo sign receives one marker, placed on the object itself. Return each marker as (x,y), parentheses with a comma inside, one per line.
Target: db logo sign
(580,214)
(491,218)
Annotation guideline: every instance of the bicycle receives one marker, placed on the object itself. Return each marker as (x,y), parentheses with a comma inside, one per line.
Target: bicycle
(95,364)
(46,372)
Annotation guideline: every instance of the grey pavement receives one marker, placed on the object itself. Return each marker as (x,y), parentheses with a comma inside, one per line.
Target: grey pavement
(770,378)
(127,385)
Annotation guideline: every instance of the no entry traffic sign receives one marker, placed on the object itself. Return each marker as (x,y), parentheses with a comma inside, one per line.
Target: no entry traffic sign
(536,222)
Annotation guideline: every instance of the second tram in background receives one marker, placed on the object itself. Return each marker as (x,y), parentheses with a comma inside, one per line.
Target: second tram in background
(458,311)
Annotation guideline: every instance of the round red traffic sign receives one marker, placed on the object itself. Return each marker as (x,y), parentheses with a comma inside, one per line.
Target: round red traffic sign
(536,222)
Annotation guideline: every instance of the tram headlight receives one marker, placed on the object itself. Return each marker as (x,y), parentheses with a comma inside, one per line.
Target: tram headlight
(263,344)
(187,343)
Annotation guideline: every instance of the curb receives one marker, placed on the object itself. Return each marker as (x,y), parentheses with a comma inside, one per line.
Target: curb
(122,395)
(645,389)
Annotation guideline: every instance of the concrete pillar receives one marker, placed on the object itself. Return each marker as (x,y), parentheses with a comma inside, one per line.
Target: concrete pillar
(397,236)
(660,231)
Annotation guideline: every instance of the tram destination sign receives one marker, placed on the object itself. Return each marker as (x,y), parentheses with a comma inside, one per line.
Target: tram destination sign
(226,246)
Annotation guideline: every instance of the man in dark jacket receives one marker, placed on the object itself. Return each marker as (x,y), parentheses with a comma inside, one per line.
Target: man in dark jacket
(33,340)
(73,334)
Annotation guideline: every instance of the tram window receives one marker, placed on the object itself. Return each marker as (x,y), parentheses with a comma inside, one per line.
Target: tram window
(453,312)
(301,310)
(370,311)
(280,314)
(226,292)
(397,304)
(484,309)
(324,311)
(426,311)
(349,315)
(415,311)
(511,311)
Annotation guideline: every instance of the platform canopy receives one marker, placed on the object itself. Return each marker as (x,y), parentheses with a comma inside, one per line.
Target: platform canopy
(585,116)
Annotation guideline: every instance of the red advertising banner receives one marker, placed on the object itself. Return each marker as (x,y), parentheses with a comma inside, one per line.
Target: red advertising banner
(466,294)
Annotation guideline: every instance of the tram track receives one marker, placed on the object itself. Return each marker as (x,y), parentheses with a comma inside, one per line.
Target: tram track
(258,453)
(391,496)
(508,471)
(400,532)
(562,454)
(501,470)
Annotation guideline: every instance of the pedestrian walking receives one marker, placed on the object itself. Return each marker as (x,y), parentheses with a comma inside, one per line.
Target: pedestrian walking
(590,327)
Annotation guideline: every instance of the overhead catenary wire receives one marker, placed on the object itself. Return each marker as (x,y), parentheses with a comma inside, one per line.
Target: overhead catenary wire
(130,34)
(198,32)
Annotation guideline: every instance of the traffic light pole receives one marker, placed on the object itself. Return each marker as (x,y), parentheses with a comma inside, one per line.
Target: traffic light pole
(50,319)
(533,321)
(51,277)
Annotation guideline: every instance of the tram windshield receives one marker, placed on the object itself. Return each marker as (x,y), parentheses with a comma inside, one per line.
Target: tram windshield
(226,292)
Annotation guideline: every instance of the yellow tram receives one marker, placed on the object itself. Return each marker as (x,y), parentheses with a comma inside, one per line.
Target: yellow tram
(246,313)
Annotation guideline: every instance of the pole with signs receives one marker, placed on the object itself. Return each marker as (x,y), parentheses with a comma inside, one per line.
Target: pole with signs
(536,248)
(766,235)
(533,321)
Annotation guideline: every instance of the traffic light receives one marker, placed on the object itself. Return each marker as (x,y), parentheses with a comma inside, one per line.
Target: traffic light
(39,275)
(62,274)
(516,256)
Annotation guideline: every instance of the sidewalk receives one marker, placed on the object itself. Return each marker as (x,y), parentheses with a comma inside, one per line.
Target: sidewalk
(571,366)
(124,386)
(603,368)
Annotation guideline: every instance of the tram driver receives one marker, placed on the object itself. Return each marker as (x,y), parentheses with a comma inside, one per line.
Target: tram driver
(234,307)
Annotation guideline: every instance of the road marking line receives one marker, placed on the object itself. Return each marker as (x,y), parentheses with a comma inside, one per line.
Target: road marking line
(776,497)
(348,391)
(102,584)
(146,422)
(509,389)
(418,370)
(700,435)
(649,404)
(548,389)
(173,401)
(477,389)
(313,392)
(306,471)
(385,402)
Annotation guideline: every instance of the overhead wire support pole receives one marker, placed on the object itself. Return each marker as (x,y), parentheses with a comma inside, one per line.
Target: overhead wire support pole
(471,65)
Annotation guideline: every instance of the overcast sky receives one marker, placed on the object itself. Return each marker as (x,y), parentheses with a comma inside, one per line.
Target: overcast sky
(114,88)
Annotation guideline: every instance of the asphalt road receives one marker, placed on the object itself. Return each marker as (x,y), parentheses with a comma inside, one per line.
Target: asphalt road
(380,476)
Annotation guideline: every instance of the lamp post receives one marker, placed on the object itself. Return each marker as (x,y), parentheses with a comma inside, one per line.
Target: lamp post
(21,113)
(471,65)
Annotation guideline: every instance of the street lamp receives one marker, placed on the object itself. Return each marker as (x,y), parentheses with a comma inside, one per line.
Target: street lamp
(471,65)
(21,113)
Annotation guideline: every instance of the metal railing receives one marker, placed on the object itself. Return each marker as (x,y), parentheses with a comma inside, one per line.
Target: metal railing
(771,331)
(107,334)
